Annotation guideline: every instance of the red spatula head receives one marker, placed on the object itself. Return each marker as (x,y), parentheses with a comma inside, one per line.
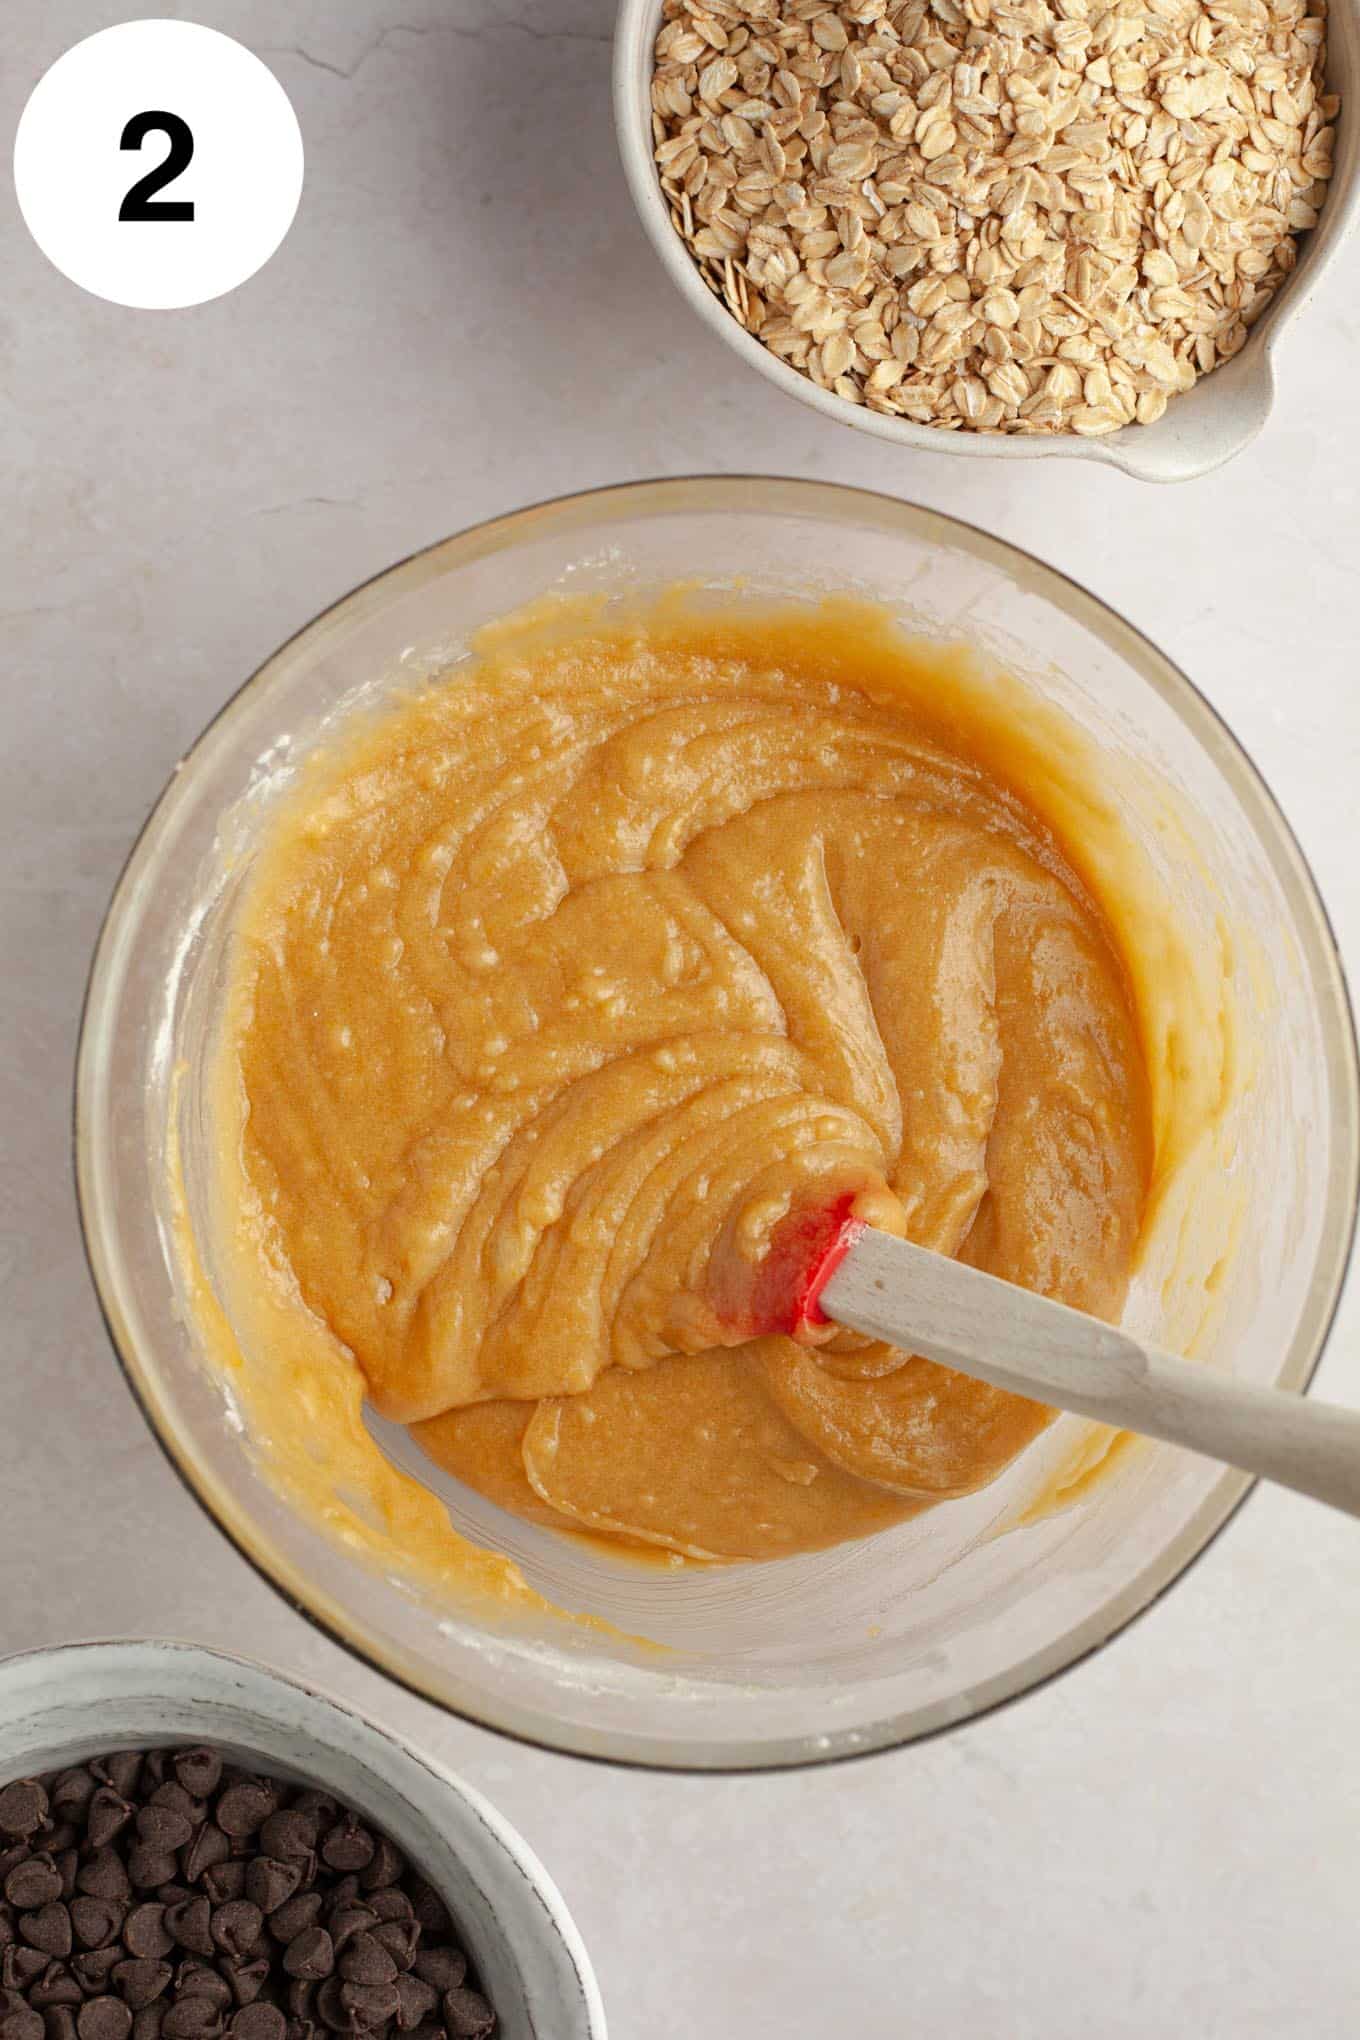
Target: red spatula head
(805,1253)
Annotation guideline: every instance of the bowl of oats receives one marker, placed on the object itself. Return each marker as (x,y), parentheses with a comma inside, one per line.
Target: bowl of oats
(1000,227)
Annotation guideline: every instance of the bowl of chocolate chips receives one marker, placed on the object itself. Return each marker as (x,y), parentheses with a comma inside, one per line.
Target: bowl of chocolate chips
(194,1848)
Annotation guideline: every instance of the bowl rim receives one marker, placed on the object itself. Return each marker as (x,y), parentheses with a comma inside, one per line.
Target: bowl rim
(441,1790)
(635,26)
(536,1726)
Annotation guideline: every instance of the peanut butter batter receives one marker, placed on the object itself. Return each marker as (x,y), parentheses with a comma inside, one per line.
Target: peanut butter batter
(561,986)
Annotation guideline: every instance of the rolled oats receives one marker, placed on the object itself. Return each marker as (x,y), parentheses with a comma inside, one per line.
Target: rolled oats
(1009,216)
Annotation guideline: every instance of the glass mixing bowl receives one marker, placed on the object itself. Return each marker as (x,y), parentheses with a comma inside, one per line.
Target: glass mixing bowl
(925,1625)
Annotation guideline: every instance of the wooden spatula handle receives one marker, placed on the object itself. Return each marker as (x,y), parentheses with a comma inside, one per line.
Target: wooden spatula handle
(981,1326)
(1313,1447)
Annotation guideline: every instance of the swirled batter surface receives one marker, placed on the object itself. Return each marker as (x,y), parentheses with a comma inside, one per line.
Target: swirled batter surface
(564,983)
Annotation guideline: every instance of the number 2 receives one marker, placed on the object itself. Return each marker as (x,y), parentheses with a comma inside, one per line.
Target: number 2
(141,202)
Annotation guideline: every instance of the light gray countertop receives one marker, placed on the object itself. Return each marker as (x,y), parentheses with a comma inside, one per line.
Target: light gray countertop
(1164,1845)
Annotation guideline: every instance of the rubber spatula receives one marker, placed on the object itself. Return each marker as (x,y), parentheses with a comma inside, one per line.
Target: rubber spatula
(924,1303)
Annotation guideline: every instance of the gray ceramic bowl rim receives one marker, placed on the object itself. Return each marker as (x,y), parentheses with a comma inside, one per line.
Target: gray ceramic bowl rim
(432,1790)
(1246,400)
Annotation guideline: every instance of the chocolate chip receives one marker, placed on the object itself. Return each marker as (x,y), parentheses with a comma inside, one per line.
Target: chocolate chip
(415,2001)
(225,1882)
(104,2018)
(18,2021)
(310,1956)
(109,1815)
(364,1961)
(23,1808)
(34,1883)
(93,1967)
(467,2015)
(247,1979)
(172,1800)
(444,1968)
(208,1848)
(243,1809)
(289,1835)
(386,1866)
(192,2018)
(368,2005)
(72,1790)
(122,1770)
(161,1827)
(258,2022)
(200,1979)
(145,1933)
(313,1800)
(138,1983)
(428,1907)
(102,1875)
(148,1869)
(347,1846)
(49,1928)
(237,1927)
(340,2016)
(400,1938)
(345,1921)
(97,1921)
(344,1909)
(19,1966)
(295,1914)
(199,1772)
(389,1904)
(270,1884)
(191,1924)
(329,2008)
(56,1986)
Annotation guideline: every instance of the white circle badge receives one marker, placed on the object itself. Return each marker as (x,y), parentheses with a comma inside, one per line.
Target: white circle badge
(158,164)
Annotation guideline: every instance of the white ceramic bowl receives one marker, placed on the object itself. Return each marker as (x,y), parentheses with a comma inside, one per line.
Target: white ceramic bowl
(1200,430)
(63,1706)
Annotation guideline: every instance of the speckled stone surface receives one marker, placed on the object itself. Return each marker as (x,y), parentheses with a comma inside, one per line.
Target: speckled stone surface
(1164,1845)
